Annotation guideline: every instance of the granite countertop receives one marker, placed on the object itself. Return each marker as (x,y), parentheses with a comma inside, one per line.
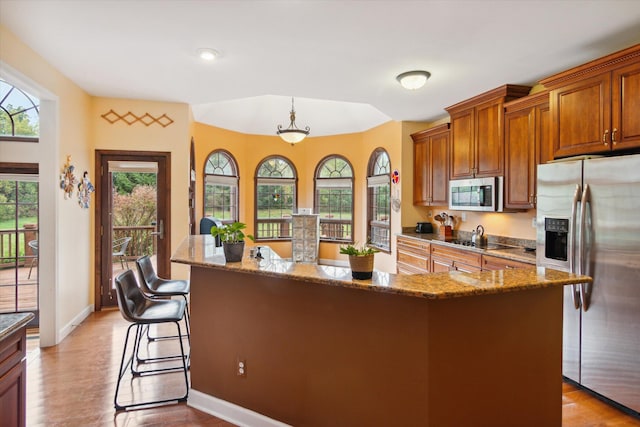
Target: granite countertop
(9,323)
(516,252)
(200,251)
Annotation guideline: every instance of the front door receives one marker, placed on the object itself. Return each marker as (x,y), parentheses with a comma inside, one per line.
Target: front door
(132,216)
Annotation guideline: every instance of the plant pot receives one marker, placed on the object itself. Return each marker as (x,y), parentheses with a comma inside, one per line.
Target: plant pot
(233,251)
(361,266)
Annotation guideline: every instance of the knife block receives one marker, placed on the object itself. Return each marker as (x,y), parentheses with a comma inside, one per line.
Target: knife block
(445,232)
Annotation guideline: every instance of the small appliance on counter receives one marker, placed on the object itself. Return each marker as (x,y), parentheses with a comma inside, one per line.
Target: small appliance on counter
(424,227)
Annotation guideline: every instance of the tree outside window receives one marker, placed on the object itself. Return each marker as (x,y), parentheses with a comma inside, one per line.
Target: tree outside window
(221,187)
(334,198)
(19,115)
(276,199)
(379,200)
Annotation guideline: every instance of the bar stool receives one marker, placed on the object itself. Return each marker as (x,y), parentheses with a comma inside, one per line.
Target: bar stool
(157,288)
(141,312)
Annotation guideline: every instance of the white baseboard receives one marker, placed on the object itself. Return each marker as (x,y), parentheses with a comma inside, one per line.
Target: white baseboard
(230,412)
(69,327)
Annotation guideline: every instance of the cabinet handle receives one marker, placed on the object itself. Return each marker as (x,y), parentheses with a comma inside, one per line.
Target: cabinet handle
(613,136)
(604,137)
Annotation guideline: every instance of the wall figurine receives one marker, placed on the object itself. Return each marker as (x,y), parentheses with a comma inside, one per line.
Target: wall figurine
(67,178)
(85,188)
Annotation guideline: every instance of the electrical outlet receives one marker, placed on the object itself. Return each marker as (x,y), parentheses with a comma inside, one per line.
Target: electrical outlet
(429,214)
(534,223)
(241,367)
(463,216)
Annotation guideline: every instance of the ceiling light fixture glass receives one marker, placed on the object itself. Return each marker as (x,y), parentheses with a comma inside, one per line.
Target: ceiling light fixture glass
(292,134)
(413,80)
(207,54)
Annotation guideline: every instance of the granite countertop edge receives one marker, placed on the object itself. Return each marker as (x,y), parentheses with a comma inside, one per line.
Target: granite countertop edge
(11,322)
(200,251)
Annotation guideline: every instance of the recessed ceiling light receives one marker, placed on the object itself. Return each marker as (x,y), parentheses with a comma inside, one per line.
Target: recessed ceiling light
(413,80)
(207,54)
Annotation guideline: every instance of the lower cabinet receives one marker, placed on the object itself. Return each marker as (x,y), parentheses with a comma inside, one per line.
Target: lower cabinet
(444,258)
(496,263)
(13,375)
(413,256)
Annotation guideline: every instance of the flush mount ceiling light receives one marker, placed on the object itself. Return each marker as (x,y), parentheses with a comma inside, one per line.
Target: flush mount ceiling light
(207,54)
(292,134)
(413,80)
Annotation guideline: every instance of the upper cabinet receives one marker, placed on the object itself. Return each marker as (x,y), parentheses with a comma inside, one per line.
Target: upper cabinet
(595,108)
(527,126)
(431,166)
(477,137)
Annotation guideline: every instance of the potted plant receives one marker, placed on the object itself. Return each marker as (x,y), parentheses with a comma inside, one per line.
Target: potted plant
(360,260)
(232,238)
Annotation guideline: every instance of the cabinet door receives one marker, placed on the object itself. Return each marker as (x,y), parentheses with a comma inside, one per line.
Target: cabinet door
(439,167)
(462,134)
(421,173)
(625,112)
(439,265)
(544,147)
(489,139)
(520,159)
(581,116)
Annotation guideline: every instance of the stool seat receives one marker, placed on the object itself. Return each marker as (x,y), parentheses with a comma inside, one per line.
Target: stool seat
(164,287)
(158,311)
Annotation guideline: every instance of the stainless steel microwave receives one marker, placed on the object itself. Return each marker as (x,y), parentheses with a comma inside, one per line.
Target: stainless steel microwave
(476,194)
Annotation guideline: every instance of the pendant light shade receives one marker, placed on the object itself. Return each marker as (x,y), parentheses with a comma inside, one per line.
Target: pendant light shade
(292,134)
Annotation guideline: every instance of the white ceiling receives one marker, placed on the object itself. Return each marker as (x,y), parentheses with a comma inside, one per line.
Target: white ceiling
(338,59)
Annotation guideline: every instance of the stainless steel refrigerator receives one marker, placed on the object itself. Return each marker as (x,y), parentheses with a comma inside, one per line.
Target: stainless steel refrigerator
(588,222)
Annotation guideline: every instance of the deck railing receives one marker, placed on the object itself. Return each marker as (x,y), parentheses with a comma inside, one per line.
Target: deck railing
(142,241)
(14,242)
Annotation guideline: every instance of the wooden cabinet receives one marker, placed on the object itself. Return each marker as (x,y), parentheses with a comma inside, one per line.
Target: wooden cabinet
(527,144)
(13,383)
(413,256)
(445,258)
(490,262)
(595,108)
(431,166)
(477,137)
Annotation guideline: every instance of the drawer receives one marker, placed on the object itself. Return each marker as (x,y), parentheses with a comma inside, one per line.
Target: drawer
(473,259)
(413,246)
(490,262)
(421,262)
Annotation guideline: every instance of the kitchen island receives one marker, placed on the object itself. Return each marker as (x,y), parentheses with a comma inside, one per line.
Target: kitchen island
(319,348)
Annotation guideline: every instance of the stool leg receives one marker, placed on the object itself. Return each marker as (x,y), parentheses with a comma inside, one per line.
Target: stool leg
(186,322)
(123,367)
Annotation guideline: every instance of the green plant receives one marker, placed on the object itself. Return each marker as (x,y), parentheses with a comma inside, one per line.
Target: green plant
(355,250)
(231,233)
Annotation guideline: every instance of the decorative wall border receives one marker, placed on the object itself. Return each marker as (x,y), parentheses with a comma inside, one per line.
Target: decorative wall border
(130,118)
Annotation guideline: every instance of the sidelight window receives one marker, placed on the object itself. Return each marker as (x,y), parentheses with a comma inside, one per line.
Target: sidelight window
(379,200)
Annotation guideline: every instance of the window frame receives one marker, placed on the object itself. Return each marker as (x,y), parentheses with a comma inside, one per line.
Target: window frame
(285,223)
(337,181)
(376,180)
(220,179)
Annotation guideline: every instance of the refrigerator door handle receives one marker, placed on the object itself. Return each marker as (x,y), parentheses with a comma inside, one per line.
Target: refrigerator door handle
(584,294)
(575,293)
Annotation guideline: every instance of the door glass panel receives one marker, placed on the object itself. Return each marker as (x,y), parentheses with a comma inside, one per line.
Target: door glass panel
(134,214)
(19,272)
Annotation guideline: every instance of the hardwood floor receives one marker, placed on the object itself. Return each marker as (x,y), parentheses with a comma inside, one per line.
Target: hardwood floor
(72,384)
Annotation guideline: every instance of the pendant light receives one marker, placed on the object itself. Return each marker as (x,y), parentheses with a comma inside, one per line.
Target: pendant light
(292,134)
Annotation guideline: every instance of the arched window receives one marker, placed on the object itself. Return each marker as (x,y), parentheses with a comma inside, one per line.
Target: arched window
(19,116)
(334,198)
(221,187)
(276,198)
(379,200)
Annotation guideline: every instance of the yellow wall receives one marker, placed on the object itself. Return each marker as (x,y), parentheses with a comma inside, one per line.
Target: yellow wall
(249,150)
(138,137)
(66,244)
